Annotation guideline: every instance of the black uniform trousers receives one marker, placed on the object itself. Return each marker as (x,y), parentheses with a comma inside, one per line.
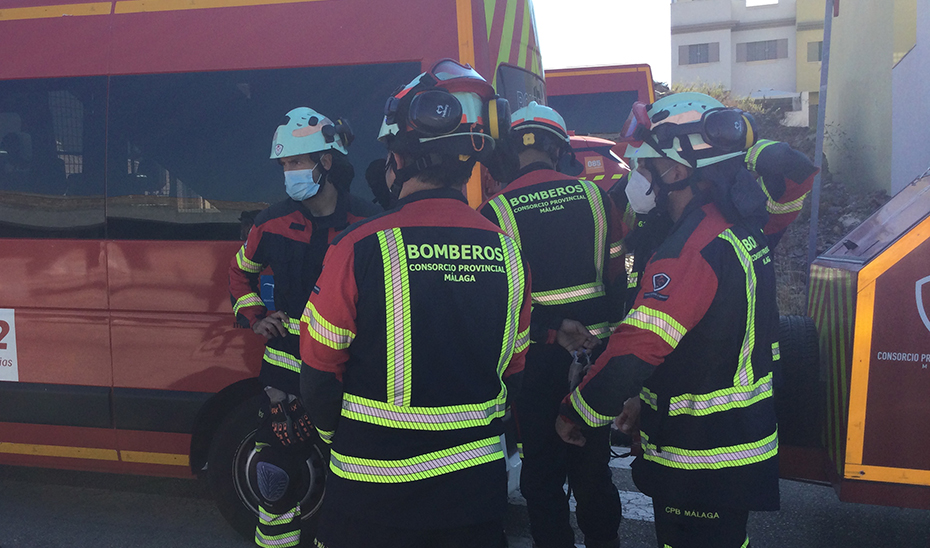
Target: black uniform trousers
(548,461)
(688,526)
(340,530)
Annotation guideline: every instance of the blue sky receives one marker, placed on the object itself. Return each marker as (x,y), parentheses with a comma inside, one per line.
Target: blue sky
(580,33)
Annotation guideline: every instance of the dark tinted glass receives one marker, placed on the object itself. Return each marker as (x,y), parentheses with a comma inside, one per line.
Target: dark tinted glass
(595,112)
(520,86)
(188,154)
(52,158)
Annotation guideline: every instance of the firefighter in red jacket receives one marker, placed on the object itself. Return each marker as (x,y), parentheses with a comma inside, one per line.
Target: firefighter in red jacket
(692,362)
(415,335)
(291,237)
(564,228)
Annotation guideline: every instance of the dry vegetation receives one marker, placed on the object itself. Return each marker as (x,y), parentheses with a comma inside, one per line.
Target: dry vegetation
(841,209)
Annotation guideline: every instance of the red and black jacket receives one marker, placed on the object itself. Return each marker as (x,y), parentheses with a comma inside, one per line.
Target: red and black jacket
(571,238)
(289,239)
(418,317)
(703,331)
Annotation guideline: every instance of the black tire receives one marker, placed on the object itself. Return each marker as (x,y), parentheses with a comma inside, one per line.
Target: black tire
(227,472)
(799,391)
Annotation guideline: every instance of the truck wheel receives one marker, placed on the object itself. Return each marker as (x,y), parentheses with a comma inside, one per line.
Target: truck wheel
(236,497)
(799,392)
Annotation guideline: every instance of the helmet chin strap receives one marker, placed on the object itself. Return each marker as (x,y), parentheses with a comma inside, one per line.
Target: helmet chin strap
(663,189)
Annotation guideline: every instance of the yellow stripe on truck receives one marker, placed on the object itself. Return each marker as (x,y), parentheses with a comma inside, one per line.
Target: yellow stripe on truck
(93,453)
(58,451)
(48,12)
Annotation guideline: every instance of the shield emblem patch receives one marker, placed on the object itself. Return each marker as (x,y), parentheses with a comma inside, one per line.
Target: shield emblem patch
(921,300)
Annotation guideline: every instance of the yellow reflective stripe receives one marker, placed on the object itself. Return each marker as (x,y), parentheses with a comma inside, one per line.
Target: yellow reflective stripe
(752,155)
(616,249)
(712,459)
(776,351)
(598,177)
(649,398)
(326,435)
(246,264)
(599,212)
(523,341)
(744,374)
(616,176)
(516,287)
(293,326)
(508,222)
(267,518)
(659,323)
(282,359)
(569,294)
(451,417)
(247,300)
(416,468)
(788,207)
(397,307)
(600,330)
(587,413)
(323,331)
(283,540)
(520,448)
(721,400)
(632,281)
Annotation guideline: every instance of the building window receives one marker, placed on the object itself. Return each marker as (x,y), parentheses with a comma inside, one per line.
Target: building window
(696,54)
(814,51)
(762,51)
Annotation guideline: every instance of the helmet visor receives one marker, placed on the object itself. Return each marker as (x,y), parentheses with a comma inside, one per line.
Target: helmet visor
(636,125)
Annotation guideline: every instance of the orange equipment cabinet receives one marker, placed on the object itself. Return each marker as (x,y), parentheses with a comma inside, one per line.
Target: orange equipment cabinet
(870,300)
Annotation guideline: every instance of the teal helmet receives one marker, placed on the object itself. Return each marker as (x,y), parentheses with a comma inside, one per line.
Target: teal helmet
(690,128)
(305,131)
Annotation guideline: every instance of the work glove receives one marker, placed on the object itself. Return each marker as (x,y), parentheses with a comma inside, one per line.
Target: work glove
(301,427)
(280,424)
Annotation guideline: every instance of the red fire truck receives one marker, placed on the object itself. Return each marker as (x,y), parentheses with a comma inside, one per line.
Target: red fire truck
(134,141)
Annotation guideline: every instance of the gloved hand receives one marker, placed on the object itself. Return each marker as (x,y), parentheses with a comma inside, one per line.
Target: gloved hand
(280,424)
(301,426)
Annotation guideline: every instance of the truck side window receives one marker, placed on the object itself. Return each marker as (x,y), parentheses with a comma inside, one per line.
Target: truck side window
(52,158)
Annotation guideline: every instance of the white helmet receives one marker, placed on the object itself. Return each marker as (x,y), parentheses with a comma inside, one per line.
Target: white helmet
(305,131)
(690,128)
(539,117)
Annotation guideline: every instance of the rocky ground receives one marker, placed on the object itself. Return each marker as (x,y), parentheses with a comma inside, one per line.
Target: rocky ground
(841,210)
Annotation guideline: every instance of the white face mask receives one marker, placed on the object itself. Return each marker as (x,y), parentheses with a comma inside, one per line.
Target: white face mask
(300,184)
(639,193)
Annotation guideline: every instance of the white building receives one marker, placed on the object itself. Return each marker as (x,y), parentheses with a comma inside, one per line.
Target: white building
(749,50)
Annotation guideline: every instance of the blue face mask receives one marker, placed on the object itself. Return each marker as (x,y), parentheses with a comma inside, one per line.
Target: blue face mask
(300,184)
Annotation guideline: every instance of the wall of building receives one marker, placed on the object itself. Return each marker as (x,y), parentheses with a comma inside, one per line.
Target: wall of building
(774,74)
(809,30)
(858,129)
(911,106)
(729,23)
(718,73)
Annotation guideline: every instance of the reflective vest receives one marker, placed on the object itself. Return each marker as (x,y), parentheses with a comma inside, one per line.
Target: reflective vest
(289,239)
(706,316)
(421,312)
(573,246)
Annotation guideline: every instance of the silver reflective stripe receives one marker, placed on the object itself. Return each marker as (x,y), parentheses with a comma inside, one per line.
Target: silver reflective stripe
(712,459)
(397,294)
(744,375)
(282,359)
(421,418)
(417,468)
(515,290)
(293,326)
(600,227)
(721,400)
(504,212)
(569,294)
